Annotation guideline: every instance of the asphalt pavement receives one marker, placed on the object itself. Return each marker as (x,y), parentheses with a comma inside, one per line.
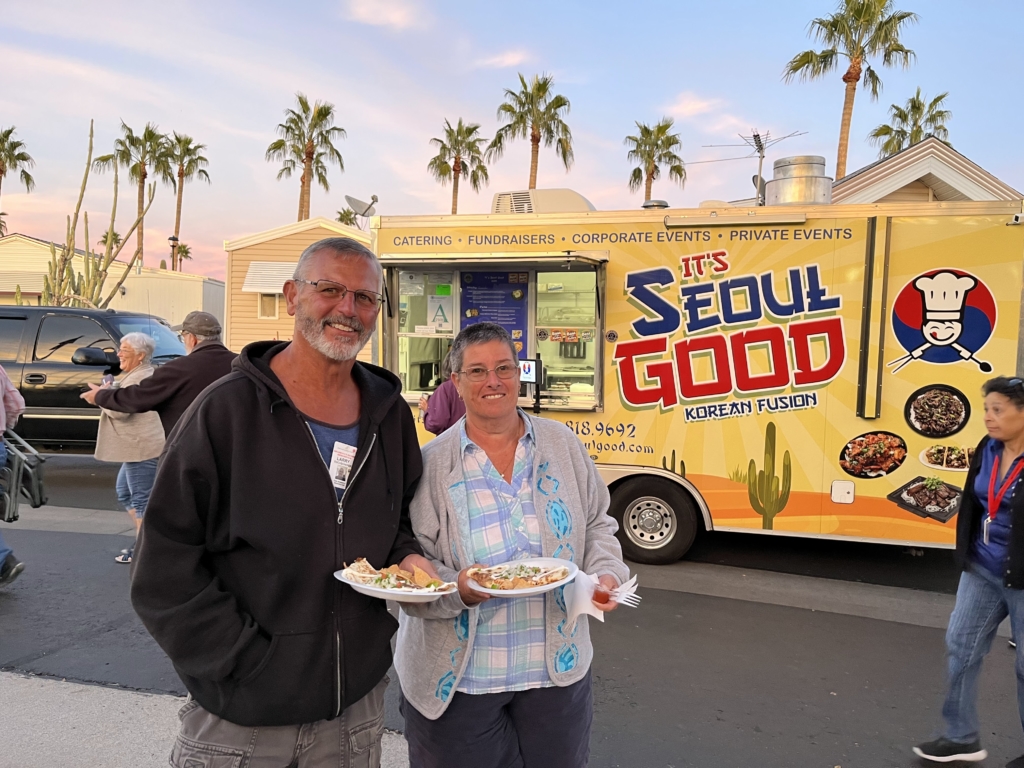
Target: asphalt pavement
(722,665)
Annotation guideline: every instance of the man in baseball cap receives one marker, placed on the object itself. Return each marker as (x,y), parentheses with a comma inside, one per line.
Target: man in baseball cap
(173,387)
(200,325)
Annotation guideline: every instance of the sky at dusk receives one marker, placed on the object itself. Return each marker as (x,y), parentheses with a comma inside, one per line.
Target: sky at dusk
(223,73)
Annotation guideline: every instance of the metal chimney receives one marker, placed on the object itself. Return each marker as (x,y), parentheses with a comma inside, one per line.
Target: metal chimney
(654,205)
(799,180)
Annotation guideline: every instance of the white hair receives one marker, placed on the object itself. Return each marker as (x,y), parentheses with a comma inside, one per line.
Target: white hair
(140,342)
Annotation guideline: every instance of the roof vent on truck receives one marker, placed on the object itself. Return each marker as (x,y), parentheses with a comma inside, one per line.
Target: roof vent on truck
(541,201)
(799,180)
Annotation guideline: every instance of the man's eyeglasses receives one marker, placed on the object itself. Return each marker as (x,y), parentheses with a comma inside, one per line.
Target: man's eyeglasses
(479,373)
(336,291)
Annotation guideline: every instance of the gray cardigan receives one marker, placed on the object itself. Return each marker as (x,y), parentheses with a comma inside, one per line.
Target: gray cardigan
(571,500)
(130,436)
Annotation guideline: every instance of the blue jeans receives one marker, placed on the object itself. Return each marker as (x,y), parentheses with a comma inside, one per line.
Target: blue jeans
(982,602)
(4,549)
(134,483)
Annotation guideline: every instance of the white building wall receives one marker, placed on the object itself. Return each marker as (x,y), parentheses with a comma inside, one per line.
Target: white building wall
(169,295)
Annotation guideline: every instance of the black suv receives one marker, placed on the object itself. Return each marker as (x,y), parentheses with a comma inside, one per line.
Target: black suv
(52,353)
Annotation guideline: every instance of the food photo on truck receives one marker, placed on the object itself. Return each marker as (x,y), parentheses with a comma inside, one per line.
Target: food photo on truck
(802,370)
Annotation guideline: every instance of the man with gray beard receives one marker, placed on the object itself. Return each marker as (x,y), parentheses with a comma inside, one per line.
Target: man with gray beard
(300,461)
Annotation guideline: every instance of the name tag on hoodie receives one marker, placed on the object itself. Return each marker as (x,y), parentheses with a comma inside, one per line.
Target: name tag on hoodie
(342,459)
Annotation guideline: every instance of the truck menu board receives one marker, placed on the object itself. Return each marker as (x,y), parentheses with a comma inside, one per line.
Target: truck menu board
(497,297)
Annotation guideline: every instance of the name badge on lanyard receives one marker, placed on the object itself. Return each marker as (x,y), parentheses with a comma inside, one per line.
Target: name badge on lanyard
(995,498)
(342,458)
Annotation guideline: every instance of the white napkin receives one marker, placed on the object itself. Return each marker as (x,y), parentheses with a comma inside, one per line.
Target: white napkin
(579,597)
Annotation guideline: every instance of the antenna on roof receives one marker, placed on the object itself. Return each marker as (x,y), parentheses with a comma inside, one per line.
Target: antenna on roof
(759,143)
(359,208)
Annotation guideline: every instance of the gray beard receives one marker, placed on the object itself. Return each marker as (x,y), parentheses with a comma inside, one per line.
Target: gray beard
(312,330)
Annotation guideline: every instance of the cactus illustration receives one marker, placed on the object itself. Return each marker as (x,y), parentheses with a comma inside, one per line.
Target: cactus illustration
(671,466)
(767,496)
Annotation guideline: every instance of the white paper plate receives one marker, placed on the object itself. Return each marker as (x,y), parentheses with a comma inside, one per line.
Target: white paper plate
(398,595)
(544,562)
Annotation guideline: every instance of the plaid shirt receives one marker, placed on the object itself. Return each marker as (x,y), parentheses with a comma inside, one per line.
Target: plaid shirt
(508,652)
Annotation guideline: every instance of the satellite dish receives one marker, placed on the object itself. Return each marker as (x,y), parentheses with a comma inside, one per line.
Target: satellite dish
(359,207)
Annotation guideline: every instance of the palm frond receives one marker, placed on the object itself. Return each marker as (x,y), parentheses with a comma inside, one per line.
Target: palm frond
(810,65)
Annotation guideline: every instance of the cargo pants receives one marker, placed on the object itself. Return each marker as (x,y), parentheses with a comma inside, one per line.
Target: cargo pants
(350,741)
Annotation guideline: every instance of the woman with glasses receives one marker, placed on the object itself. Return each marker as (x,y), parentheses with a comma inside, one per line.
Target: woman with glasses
(990,553)
(502,681)
(135,439)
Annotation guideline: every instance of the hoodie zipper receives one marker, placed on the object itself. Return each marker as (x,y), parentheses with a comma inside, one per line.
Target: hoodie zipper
(341,517)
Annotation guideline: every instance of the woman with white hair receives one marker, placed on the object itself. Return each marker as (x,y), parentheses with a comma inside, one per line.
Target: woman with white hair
(135,439)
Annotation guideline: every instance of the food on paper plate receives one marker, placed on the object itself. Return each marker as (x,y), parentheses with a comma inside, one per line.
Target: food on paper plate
(931,495)
(937,412)
(393,577)
(516,576)
(873,455)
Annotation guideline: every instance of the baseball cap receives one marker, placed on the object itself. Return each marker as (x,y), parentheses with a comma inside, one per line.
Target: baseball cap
(201,324)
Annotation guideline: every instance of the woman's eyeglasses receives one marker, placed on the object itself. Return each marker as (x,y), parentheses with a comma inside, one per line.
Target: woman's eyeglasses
(478,374)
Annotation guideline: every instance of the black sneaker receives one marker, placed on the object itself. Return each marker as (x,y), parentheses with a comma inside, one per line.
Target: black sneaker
(1016,763)
(946,751)
(11,570)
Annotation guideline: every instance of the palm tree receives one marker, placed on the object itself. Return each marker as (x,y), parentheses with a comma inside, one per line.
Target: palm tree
(307,141)
(651,149)
(534,113)
(458,153)
(348,217)
(911,124)
(184,254)
(13,157)
(114,237)
(859,29)
(187,155)
(140,154)
(3,224)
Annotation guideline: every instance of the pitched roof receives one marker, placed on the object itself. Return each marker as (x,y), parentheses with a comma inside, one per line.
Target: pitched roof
(949,174)
(299,226)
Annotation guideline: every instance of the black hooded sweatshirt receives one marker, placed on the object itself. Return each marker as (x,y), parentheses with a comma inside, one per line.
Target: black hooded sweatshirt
(233,571)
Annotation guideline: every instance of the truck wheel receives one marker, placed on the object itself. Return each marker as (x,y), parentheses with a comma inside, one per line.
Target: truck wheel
(657,520)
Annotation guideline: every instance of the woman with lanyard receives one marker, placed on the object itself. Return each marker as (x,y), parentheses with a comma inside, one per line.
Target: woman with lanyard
(990,553)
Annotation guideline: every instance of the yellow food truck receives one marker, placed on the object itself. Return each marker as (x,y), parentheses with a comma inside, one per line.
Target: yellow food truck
(799,370)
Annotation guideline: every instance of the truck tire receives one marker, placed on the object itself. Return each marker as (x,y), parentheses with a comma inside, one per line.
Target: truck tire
(657,520)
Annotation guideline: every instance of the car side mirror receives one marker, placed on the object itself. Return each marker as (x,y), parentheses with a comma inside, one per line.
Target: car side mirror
(94,356)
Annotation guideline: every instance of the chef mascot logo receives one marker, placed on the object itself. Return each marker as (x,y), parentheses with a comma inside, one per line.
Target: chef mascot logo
(944,316)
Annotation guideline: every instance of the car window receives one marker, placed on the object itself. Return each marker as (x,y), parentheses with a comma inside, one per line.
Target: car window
(11,329)
(168,345)
(60,335)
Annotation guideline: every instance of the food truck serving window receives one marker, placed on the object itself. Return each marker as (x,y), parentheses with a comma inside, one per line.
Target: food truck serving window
(426,327)
(551,309)
(566,333)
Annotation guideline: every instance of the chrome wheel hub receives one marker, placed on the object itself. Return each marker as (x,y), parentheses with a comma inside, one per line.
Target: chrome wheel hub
(649,522)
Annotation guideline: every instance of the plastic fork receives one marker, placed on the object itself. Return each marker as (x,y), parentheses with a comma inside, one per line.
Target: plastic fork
(631,601)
